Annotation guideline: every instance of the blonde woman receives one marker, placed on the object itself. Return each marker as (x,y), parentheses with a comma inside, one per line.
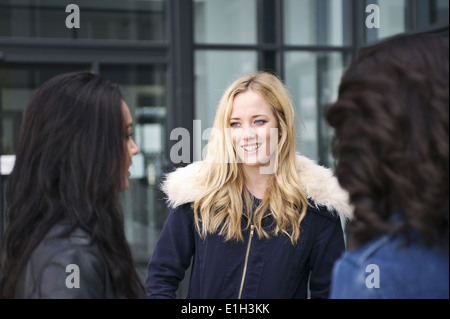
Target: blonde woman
(255,219)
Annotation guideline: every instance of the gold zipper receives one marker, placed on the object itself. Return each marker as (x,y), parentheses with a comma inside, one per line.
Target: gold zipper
(252,227)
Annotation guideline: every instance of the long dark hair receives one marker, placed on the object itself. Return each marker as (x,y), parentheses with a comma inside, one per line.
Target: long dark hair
(70,150)
(391,142)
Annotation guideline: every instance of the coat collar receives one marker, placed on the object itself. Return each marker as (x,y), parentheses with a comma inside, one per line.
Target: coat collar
(321,186)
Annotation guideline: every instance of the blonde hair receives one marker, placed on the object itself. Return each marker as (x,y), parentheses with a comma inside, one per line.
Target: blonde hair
(219,209)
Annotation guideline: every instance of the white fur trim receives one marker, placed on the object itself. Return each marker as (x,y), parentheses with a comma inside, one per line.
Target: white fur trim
(323,187)
(182,186)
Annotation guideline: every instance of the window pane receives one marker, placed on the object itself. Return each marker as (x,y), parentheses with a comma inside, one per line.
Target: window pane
(393,19)
(313,79)
(231,21)
(442,10)
(316,22)
(113,19)
(431,12)
(214,72)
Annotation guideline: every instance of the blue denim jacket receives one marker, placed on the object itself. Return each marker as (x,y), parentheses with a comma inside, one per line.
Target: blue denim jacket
(385,269)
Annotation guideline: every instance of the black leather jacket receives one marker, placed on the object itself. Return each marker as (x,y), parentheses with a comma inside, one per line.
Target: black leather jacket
(68,267)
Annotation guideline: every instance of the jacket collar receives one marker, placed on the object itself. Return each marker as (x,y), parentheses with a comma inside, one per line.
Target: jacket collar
(321,186)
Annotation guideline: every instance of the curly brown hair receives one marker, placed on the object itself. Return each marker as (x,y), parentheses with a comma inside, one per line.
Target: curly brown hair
(391,142)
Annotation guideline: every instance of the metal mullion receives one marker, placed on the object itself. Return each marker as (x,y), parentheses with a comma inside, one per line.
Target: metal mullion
(182,48)
(315,48)
(411,23)
(280,37)
(224,46)
(63,51)
(357,25)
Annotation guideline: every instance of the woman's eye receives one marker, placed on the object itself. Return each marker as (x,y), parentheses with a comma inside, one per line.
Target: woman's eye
(260,122)
(234,124)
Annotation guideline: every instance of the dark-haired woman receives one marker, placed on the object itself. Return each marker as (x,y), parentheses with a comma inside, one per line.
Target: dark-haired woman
(65,235)
(392,149)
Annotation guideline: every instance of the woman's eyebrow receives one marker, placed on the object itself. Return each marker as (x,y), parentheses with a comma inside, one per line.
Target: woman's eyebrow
(254,116)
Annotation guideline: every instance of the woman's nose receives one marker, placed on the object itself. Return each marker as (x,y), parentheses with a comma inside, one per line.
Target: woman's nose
(249,133)
(135,148)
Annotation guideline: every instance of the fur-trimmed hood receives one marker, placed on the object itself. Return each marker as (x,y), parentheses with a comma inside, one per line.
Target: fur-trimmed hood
(181,186)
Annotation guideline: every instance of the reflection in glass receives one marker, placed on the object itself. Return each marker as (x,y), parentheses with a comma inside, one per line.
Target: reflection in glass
(392,19)
(313,79)
(231,21)
(399,16)
(312,22)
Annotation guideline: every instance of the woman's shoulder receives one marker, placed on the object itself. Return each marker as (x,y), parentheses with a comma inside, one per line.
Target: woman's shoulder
(391,252)
(396,269)
(61,261)
(323,213)
(182,186)
(185,209)
(63,245)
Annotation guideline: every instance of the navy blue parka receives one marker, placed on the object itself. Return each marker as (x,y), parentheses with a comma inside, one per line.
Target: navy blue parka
(267,268)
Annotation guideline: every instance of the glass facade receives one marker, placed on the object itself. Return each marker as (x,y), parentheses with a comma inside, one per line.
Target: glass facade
(312,22)
(399,16)
(231,21)
(306,42)
(173,59)
(130,20)
(313,79)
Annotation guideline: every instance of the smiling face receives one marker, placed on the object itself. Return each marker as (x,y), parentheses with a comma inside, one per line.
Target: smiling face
(131,148)
(254,129)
